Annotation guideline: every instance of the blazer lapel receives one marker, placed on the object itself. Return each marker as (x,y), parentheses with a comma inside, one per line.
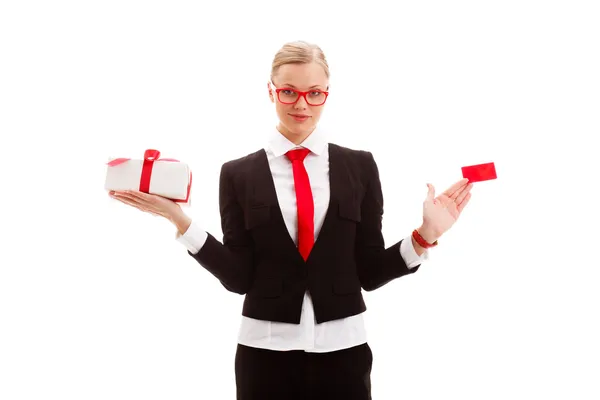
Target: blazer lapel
(261,188)
(261,192)
(341,191)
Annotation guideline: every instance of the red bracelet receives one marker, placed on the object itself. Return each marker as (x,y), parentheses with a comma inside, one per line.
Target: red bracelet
(422,242)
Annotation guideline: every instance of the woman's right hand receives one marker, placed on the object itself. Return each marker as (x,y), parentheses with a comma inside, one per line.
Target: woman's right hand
(155,205)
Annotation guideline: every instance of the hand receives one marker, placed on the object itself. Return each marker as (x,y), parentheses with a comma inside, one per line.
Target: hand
(440,213)
(155,205)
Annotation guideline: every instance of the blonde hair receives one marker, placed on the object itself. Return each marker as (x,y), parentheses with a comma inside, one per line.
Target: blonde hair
(299,52)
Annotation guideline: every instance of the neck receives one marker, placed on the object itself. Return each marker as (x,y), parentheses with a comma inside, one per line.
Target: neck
(294,137)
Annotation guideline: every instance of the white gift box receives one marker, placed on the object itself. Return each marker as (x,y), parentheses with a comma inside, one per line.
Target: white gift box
(163,177)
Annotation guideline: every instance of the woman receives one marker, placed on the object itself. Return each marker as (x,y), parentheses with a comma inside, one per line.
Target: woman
(301,224)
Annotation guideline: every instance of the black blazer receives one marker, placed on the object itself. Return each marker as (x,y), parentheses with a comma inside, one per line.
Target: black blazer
(258,257)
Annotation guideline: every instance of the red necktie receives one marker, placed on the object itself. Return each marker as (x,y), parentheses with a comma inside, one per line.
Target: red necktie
(304,202)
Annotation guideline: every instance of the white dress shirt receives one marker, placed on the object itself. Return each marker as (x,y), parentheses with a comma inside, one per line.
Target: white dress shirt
(308,335)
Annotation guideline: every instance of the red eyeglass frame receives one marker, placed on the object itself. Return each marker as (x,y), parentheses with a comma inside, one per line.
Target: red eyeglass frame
(301,94)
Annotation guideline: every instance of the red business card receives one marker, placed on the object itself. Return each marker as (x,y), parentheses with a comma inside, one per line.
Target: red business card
(479,172)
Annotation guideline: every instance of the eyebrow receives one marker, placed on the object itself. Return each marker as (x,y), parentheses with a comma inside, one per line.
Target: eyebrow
(292,86)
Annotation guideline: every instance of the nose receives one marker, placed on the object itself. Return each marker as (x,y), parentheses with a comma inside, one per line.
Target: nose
(301,103)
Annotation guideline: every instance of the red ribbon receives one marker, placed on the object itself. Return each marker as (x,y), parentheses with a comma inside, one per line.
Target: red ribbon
(150,156)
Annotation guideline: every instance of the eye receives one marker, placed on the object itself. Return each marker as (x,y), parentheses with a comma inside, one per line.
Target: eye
(316,93)
(287,92)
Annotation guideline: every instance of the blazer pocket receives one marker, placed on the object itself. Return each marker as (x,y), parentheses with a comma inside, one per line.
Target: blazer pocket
(349,210)
(257,215)
(346,285)
(268,287)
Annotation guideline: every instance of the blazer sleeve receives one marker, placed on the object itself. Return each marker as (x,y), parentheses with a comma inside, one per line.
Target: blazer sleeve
(376,264)
(232,260)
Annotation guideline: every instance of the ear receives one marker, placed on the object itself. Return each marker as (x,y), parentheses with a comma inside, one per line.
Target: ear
(270,92)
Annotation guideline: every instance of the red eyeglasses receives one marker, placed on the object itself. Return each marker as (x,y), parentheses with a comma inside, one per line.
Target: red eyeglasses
(291,96)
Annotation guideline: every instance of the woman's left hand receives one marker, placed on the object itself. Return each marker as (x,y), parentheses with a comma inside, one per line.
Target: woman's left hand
(440,213)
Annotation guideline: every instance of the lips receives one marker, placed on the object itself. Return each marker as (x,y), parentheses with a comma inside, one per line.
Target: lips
(300,117)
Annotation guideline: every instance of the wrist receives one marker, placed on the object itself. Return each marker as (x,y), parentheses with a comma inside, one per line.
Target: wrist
(181,221)
(418,248)
(428,234)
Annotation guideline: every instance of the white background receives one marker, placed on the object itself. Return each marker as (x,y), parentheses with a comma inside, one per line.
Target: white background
(98,300)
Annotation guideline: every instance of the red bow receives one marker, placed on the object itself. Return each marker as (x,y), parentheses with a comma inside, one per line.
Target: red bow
(150,156)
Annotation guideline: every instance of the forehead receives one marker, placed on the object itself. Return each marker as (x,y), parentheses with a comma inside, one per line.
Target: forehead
(301,76)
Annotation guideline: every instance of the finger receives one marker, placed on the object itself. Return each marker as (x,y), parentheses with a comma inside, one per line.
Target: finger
(139,202)
(128,199)
(464,202)
(461,197)
(458,185)
(153,203)
(462,193)
(430,192)
(141,195)
(127,194)
(137,205)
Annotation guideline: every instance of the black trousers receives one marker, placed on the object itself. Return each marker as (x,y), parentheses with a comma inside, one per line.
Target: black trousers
(297,375)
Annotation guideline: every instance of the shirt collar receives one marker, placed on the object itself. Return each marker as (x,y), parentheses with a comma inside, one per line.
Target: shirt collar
(315,142)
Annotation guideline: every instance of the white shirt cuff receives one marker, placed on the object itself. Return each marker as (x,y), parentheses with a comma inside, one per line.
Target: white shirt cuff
(409,254)
(193,239)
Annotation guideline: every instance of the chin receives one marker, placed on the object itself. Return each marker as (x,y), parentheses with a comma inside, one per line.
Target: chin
(301,131)
(298,129)
(304,126)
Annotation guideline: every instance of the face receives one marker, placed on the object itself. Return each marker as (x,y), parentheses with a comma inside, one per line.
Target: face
(298,120)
